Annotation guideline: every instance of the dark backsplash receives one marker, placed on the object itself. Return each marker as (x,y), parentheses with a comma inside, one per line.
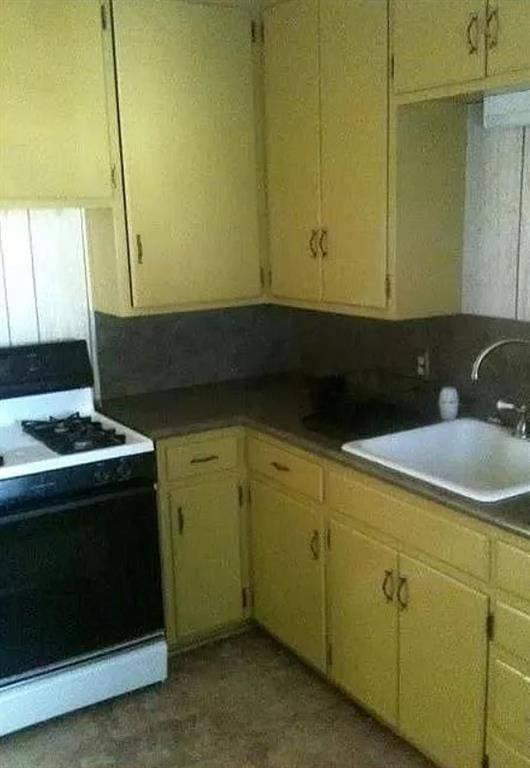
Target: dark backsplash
(145,354)
(165,351)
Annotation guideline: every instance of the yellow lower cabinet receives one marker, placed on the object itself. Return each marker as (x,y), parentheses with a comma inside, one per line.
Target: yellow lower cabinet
(509,706)
(442,665)
(363,631)
(205,531)
(288,570)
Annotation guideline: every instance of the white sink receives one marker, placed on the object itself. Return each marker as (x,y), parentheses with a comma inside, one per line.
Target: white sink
(477,460)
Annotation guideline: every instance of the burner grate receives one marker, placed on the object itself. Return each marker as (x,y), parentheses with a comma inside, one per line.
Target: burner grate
(72,434)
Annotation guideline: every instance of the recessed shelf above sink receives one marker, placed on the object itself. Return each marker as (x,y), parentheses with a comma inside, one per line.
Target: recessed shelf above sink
(469,457)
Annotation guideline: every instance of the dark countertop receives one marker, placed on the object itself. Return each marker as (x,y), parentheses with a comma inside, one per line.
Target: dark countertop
(276,405)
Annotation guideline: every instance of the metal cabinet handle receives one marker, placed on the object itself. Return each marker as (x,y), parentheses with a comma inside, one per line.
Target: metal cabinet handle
(472,34)
(314,545)
(403,592)
(180,518)
(388,586)
(492,28)
(280,467)
(139,249)
(204,459)
(323,243)
(313,243)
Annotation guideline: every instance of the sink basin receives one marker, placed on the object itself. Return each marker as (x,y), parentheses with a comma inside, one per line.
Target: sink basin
(470,457)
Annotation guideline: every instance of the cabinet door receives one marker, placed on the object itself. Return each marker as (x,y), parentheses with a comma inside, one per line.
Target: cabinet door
(205,525)
(362,576)
(508,39)
(287,558)
(437,43)
(293,147)
(354,72)
(53,127)
(442,665)
(509,704)
(185,90)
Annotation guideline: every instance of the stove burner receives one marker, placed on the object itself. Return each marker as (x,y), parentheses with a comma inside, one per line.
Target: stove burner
(72,434)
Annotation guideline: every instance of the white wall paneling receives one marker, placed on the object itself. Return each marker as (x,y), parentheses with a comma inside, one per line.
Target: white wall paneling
(524,243)
(43,288)
(493,210)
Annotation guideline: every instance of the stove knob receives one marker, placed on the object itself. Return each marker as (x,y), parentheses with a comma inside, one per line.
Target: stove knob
(124,470)
(102,476)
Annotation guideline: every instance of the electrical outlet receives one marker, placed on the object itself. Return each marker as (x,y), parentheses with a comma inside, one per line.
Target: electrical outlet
(423,365)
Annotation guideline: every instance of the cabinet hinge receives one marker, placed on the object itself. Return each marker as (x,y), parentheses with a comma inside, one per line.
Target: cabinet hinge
(486,761)
(328,538)
(392,66)
(262,278)
(249,496)
(388,287)
(240,494)
(103,12)
(490,625)
(246,597)
(113,177)
(329,655)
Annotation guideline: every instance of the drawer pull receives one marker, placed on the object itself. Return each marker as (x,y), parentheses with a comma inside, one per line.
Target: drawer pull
(492,28)
(280,467)
(472,33)
(403,592)
(180,517)
(313,243)
(388,586)
(314,545)
(204,459)
(323,243)
(139,249)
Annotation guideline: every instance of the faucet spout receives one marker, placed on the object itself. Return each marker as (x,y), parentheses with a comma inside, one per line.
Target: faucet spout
(487,350)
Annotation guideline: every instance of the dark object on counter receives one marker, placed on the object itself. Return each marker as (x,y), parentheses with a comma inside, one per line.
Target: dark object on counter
(343,414)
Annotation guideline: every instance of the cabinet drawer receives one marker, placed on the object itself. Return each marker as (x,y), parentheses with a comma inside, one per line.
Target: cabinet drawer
(512,631)
(512,570)
(503,756)
(200,456)
(510,702)
(286,468)
(408,521)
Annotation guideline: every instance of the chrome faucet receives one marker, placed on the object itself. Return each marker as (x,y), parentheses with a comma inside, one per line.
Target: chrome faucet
(521,411)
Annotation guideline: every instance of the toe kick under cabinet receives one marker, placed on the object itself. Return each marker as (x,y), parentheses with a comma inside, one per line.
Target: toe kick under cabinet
(420,613)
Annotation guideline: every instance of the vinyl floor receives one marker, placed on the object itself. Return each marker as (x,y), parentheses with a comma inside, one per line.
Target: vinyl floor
(245,702)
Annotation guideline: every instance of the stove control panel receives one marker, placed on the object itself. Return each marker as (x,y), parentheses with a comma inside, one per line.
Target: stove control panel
(78,480)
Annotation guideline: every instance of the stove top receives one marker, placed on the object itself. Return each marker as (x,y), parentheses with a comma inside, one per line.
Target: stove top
(73,433)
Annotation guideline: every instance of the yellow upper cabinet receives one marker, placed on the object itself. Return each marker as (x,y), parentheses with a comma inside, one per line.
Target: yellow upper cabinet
(354,98)
(478,44)
(293,147)
(186,107)
(508,36)
(54,144)
(437,42)
(326,75)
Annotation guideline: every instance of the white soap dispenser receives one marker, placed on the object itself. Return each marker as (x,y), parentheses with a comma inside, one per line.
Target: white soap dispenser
(448,403)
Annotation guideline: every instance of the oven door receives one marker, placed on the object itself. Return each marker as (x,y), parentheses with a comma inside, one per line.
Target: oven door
(77,578)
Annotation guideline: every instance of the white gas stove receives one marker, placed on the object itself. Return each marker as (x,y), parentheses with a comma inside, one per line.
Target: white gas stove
(80,585)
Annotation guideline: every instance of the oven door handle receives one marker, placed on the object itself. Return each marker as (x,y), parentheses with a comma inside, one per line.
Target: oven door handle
(75,504)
